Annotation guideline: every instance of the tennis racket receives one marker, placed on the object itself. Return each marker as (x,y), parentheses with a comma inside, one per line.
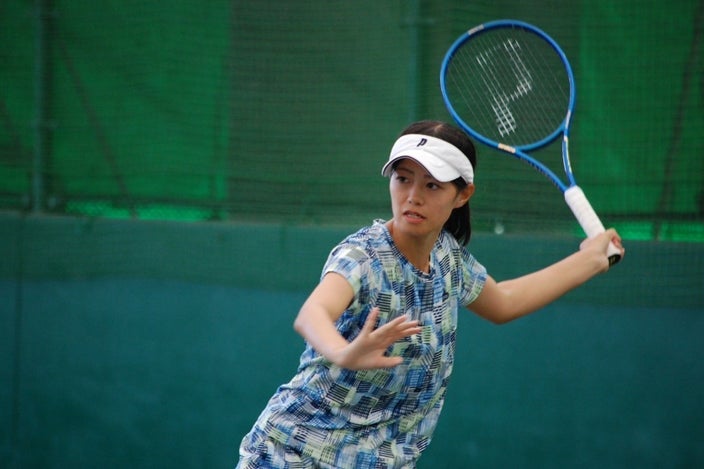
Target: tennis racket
(510,86)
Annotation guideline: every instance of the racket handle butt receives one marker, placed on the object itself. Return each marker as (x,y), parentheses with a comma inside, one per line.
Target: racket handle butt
(614,254)
(589,220)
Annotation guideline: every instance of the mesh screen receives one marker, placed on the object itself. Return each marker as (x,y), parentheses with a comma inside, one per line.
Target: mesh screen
(285,111)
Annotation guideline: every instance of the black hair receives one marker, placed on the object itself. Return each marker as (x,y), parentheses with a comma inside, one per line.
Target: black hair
(458,224)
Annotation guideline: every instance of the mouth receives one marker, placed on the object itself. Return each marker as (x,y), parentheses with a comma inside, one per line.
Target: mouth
(413,217)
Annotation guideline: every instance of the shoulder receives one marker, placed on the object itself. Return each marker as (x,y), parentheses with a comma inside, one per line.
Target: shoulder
(360,251)
(459,267)
(363,244)
(449,250)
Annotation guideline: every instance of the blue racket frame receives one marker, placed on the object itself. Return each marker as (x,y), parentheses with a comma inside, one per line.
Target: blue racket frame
(574,196)
(519,151)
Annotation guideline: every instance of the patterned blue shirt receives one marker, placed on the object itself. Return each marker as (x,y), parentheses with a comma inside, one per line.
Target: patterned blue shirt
(377,418)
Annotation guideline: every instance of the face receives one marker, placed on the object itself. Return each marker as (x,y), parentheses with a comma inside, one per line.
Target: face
(421,204)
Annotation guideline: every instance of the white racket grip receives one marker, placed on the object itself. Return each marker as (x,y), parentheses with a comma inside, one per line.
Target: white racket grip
(588,219)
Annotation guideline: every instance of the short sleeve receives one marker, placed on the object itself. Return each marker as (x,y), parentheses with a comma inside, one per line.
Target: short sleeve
(473,276)
(353,263)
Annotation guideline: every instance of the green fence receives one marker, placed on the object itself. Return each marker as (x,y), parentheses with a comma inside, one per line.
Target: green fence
(285,110)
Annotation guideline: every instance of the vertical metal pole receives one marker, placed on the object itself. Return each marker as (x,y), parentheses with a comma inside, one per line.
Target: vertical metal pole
(416,61)
(42,84)
(673,152)
(418,21)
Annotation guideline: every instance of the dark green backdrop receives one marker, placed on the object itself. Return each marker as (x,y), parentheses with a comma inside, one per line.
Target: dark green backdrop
(173,174)
(156,344)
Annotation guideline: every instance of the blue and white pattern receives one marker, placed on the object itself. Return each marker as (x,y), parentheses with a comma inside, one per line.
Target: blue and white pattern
(331,417)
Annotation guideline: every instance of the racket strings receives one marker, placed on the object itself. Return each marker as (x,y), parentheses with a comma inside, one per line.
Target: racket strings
(505,121)
(511,84)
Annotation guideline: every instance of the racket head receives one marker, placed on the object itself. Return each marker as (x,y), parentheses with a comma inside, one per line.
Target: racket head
(507,83)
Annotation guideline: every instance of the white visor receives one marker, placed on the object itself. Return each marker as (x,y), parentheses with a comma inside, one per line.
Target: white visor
(444,161)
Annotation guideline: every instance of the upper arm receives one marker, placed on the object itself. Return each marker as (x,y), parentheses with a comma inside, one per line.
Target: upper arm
(333,294)
(491,303)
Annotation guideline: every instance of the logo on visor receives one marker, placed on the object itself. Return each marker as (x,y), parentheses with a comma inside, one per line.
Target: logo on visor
(422,142)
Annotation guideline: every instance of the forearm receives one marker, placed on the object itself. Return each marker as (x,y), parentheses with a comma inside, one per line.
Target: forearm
(316,319)
(536,290)
(367,350)
(315,325)
(511,299)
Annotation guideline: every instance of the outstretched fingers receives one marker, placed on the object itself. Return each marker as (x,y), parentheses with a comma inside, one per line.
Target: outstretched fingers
(394,330)
(369,349)
(401,327)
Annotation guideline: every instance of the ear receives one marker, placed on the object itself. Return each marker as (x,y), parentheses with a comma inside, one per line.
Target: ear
(464,195)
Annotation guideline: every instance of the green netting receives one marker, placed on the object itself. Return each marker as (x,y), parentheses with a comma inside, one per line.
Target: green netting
(285,110)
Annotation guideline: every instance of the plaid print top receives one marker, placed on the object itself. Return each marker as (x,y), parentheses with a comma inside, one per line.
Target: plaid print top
(378,418)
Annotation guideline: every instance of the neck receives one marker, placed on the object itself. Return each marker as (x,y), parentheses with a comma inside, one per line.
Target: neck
(416,249)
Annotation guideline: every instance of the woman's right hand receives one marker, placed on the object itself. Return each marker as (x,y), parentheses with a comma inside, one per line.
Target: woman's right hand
(368,349)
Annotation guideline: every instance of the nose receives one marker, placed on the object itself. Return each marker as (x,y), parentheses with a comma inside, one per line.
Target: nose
(414,196)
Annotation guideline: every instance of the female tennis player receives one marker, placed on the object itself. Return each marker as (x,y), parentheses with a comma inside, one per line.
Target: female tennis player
(380,326)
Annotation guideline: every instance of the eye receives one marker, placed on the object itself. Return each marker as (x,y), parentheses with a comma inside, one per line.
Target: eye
(433,186)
